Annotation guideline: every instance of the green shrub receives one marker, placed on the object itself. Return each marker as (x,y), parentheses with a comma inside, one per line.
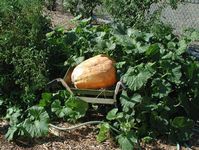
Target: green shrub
(23,31)
(135,13)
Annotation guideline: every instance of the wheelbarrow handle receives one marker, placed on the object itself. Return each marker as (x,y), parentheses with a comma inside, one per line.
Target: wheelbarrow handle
(65,85)
(49,84)
(62,82)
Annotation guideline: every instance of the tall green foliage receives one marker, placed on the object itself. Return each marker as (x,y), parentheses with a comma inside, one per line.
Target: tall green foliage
(22,50)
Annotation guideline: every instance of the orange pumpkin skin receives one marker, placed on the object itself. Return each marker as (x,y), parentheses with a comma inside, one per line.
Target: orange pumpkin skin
(94,73)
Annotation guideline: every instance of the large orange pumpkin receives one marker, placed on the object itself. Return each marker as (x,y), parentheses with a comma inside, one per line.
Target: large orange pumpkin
(94,73)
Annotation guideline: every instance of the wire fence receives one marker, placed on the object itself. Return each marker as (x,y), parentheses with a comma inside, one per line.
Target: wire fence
(185,16)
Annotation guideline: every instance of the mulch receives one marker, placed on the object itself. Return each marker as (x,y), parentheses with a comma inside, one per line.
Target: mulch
(83,138)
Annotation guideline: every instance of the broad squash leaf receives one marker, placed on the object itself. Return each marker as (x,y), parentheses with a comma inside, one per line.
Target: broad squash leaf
(59,110)
(112,114)
(129,102)
(45,99)
(182,47)
(136,77)
(37,123)
(182,122)
(11,131)
(160,88)
(77,105)
(153,50)
(127,141)
(104,132)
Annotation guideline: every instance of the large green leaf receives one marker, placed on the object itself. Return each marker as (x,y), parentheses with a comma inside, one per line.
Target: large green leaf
(152,50)
(72,109)
(104,132)
(182,122)
(175,74)
(125,40)
(36,128)
(60,111)
(14,114)
(172,70)
(11,131)
(138,35)
(129,102)
(160,88)
(45,99)
(77,105)
(16,130)
(127,141)
(121,64)
(111,45)
(136,77)
(112,115)
(37,123)
(182,47)
(38,113)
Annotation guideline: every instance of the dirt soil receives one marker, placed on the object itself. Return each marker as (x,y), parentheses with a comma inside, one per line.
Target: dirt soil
(60,19)
(83,138)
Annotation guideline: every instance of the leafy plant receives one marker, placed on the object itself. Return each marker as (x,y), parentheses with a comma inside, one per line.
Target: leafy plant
(23,74)
(22,52)
(160,75)
(72,47)
(81,7)
(35,121)
(72,109)
(104,132)
(159,89)
(35,124)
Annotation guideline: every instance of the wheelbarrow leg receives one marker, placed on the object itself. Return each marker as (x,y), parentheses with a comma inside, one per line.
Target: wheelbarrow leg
(117,88)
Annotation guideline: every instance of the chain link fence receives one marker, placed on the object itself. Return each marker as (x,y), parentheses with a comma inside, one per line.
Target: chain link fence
(185,16)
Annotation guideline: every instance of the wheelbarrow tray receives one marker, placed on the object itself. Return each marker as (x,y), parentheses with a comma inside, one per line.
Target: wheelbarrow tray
(95,96)
(91,92)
